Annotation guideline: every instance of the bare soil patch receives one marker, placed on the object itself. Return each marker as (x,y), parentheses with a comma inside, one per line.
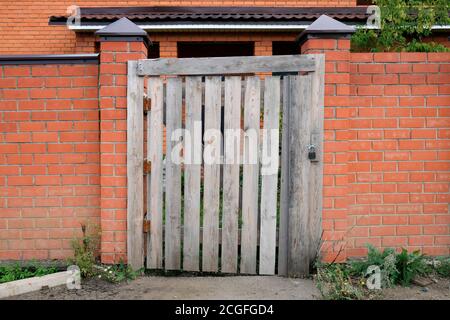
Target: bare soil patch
(220,288)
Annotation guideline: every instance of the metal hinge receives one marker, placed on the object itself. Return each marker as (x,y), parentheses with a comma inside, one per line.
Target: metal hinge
(147,104)
(147,166)
(146,226)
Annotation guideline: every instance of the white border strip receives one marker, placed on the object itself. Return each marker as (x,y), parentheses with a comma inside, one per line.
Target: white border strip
(204,27)
(178,27)
(17,287)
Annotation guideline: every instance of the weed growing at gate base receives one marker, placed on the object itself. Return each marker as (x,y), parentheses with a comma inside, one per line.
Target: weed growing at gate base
(117,273)
(86,258)
(85,249)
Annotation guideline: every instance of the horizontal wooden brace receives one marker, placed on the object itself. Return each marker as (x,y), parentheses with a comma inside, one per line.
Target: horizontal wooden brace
(225,65)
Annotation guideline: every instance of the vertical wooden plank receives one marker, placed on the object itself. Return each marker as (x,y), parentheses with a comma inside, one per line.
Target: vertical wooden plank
(298,233)
(193,156)
(250,179)
(316,171)
(135,160)
(211,195)
(232,120)
(173,176)
(269,174)
(154,153)
(284,188)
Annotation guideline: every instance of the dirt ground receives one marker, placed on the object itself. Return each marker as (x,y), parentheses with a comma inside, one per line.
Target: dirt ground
(435,291)
(220,288)
(189,288)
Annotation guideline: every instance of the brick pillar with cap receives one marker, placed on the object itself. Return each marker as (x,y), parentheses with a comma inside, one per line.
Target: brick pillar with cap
(120,42)
(331,37)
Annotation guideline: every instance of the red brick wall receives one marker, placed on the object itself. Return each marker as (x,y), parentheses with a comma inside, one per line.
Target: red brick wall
(49,158)
(24,24)
(399,152)
(386,151)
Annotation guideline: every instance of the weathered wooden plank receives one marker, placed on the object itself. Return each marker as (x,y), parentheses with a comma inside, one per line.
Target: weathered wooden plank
(135,160)
(155,154)
(284,187)
(298,233)
(225,65)
(173,175)
(269,176)
(250,175)
(232,120)
(13,288)
(211,193)
(193,157)
(316,170)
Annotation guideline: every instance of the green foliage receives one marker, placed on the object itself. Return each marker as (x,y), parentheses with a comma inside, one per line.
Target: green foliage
(117,273)
(396,268)
(417,46)
(347,281)
(409,265)
(442,266)
(15,271)
(364,40)
(85,250)
(334,282)
(386,260)
(403,24)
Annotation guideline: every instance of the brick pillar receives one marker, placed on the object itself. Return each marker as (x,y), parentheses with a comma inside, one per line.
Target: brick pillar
(116,49)
(331,37)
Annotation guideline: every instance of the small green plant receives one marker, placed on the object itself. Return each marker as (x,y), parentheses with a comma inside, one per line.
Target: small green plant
(409,265)
(334,282)
(85,250)
(117,273)
(12,272)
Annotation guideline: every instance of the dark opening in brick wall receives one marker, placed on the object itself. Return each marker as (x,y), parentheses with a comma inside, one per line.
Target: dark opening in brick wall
(215,49)
(153,50)
(285,47)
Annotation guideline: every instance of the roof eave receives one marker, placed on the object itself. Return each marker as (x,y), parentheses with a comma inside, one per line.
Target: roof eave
(167,27)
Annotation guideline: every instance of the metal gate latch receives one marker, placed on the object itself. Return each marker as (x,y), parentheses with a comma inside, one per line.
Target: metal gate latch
(311,152)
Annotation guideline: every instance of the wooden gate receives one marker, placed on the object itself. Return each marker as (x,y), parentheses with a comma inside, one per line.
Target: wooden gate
(209,205)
